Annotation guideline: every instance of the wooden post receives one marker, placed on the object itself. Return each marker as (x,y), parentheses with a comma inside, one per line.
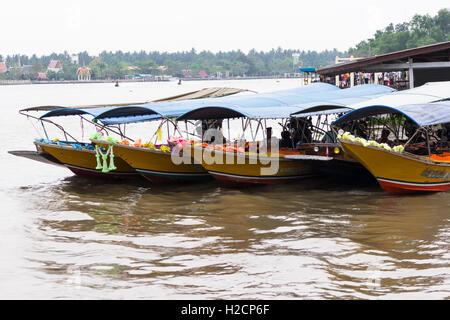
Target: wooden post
(352,79)
(269,139)
(411,73)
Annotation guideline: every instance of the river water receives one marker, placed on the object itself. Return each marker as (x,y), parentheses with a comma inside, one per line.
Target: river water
(64,237)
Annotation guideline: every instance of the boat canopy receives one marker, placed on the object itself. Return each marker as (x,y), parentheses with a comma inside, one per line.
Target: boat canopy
(397,101)
(75,111)
(197,94)
(280,104)
(238,105)
(286,103)
(429,92)
(425,114)
(322,109)
(307,69)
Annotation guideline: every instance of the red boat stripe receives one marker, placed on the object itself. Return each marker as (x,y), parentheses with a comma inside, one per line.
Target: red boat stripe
(259,177)
(417,184)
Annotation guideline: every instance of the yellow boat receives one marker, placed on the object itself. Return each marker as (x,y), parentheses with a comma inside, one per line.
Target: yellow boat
(237,168)
(80,157)
(251,167)
(402,172)
(397,169)
(156,165)
(82,161)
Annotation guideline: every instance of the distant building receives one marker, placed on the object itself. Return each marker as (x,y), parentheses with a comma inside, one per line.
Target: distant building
(162,68)
(419,65)
(41,76)
(339,60)
(84,73)
(27,69)
(3,67)
(55,66)
(203,73)
(133,68)
(74,58)
(186,72)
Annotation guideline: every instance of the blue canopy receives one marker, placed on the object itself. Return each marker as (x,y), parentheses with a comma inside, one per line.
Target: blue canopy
(241,106)
(278,104)
(283,104)
(308,69)
(75,111)
(422,114)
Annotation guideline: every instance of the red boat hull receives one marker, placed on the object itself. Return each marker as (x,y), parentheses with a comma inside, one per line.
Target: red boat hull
(401,187)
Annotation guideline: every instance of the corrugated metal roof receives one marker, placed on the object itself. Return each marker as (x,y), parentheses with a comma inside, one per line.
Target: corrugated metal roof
(388,57)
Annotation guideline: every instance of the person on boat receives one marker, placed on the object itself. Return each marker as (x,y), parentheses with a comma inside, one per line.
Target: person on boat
(301,132)
(286,141)
(329,137)
(216,125)
(360,129)
(385,137)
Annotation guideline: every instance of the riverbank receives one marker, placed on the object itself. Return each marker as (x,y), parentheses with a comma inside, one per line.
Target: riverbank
(23,82)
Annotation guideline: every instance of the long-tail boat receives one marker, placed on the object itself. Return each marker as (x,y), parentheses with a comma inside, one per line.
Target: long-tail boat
(74,154)
(263,162)
(156,163)
(415,158)
(83,158)
(153,159)
(331,159)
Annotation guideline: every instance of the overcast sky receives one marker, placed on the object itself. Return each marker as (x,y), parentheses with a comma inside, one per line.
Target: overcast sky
(47,26)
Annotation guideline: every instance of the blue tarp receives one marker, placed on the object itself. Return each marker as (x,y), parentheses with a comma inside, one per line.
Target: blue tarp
(307,69)
(283,104)
(246,105)
(422,114)
(279,104)
(75,111)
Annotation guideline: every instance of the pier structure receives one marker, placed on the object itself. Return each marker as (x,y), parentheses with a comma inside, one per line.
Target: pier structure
(419,65)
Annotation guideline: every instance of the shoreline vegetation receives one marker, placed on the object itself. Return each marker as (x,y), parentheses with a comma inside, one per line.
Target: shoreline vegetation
(205,65)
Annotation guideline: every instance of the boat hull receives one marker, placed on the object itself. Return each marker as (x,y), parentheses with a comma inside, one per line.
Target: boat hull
(40,156)
(244,169)
(83,162)
(329,159)
(157,166)
(399,173)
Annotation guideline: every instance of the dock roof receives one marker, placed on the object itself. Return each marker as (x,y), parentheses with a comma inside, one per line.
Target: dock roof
(431,56)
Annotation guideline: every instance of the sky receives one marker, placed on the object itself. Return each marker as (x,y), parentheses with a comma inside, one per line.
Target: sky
(46,26)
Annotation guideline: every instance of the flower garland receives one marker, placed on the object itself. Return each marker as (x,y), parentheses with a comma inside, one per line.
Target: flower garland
(104,156)
(348,136)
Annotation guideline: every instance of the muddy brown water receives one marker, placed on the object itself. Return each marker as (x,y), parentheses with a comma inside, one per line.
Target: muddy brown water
(62,236)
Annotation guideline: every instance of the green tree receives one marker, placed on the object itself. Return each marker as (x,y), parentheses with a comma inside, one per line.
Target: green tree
(98,68)
(37,67)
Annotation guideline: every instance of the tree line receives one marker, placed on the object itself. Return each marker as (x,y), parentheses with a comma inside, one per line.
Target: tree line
(115,65)
(421,30)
